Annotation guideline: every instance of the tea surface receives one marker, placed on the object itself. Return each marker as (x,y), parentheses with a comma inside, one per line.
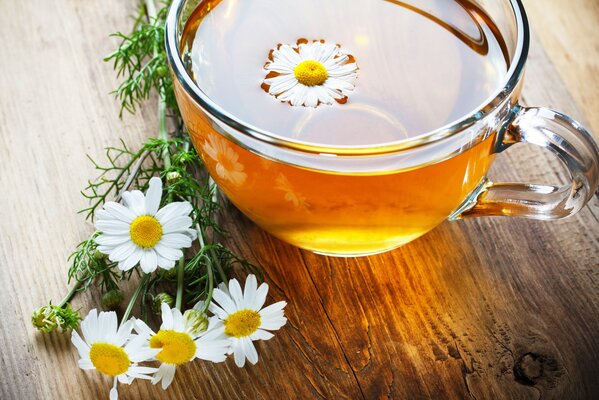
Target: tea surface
(419,68)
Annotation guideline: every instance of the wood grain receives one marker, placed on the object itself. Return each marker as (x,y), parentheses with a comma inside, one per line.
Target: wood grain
(488,308)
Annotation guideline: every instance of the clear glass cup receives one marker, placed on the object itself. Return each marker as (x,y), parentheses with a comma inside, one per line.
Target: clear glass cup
(360,200)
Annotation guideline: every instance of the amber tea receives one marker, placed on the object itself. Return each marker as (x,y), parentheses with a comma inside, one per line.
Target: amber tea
(339,73)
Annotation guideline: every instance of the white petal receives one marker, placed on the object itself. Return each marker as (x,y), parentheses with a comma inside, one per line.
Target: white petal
(119,211)
(114,394)
(144,354)
(132,260)
(326,53)
(85,363)
(176,240)
(288,53)
(273,309)
(298,95)
(167,317)
(215,351)
(249,350)
(112,240)
(124,333)
(168,376)
(236,293)
(176,224)
(283,87)
(112,227)
(224,301)
(149,261)
(249,290)
(165,263)
(167,252)
(108,325)
(260,297)
(199,305)
(338,84)
(311,97)
(343,70)
(124,379)
(273,324)
(280,79)
(239,355)
(141,372)
(279,67)
(136,202)
(82,347)
(142,328)
(172,210)
(218,311)
(153,196)
(306,51)
(122,251)
(178,324)
(323,95)
(261,335)
(89,327)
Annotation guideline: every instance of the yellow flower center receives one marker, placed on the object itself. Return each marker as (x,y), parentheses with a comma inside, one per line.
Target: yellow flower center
(177,347)
(109,359)
(145,231)
(311,73)
(242,323)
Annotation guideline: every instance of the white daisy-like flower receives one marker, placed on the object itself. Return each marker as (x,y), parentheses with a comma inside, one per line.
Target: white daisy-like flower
(112,350)
(244,319)
(179,342)
(140,232)
(227,162)
(310,73)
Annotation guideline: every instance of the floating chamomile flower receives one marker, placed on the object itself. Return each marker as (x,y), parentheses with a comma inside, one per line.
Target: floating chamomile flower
(244,319)
(179,341)
(310,73)
(112,350)
(140,232)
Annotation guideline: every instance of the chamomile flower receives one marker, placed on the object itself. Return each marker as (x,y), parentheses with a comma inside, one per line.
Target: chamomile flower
(112,350)
(310,73)
(244,319)
(140,232)
(179,341)
(227,162)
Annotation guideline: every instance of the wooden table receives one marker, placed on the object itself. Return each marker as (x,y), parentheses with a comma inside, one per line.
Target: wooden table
(487,308)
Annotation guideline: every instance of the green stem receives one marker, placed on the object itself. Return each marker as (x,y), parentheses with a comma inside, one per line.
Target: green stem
(151,10)
(114,184)
(162,132)
(221,272)
(210,286)
(133,300)
(180,275)
(70,295)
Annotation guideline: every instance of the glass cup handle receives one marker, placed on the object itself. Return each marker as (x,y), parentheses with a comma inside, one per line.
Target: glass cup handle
(565,137)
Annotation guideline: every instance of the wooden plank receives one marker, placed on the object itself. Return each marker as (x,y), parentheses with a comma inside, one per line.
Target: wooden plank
(488,308)
(570,38)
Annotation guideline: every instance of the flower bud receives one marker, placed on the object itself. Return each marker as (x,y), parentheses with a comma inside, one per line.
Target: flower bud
(98,255)
(44,319)
(168,273)
(162,71)
(195,321)
(112,299)
(162,298)
(172,177)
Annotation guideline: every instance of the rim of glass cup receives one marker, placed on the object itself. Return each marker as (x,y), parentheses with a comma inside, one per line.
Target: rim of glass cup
(509,82)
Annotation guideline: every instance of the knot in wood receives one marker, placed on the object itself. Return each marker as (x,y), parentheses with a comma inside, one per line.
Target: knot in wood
(531,367)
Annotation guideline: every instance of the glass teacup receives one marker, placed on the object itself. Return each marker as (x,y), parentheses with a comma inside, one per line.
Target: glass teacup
(357,200)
